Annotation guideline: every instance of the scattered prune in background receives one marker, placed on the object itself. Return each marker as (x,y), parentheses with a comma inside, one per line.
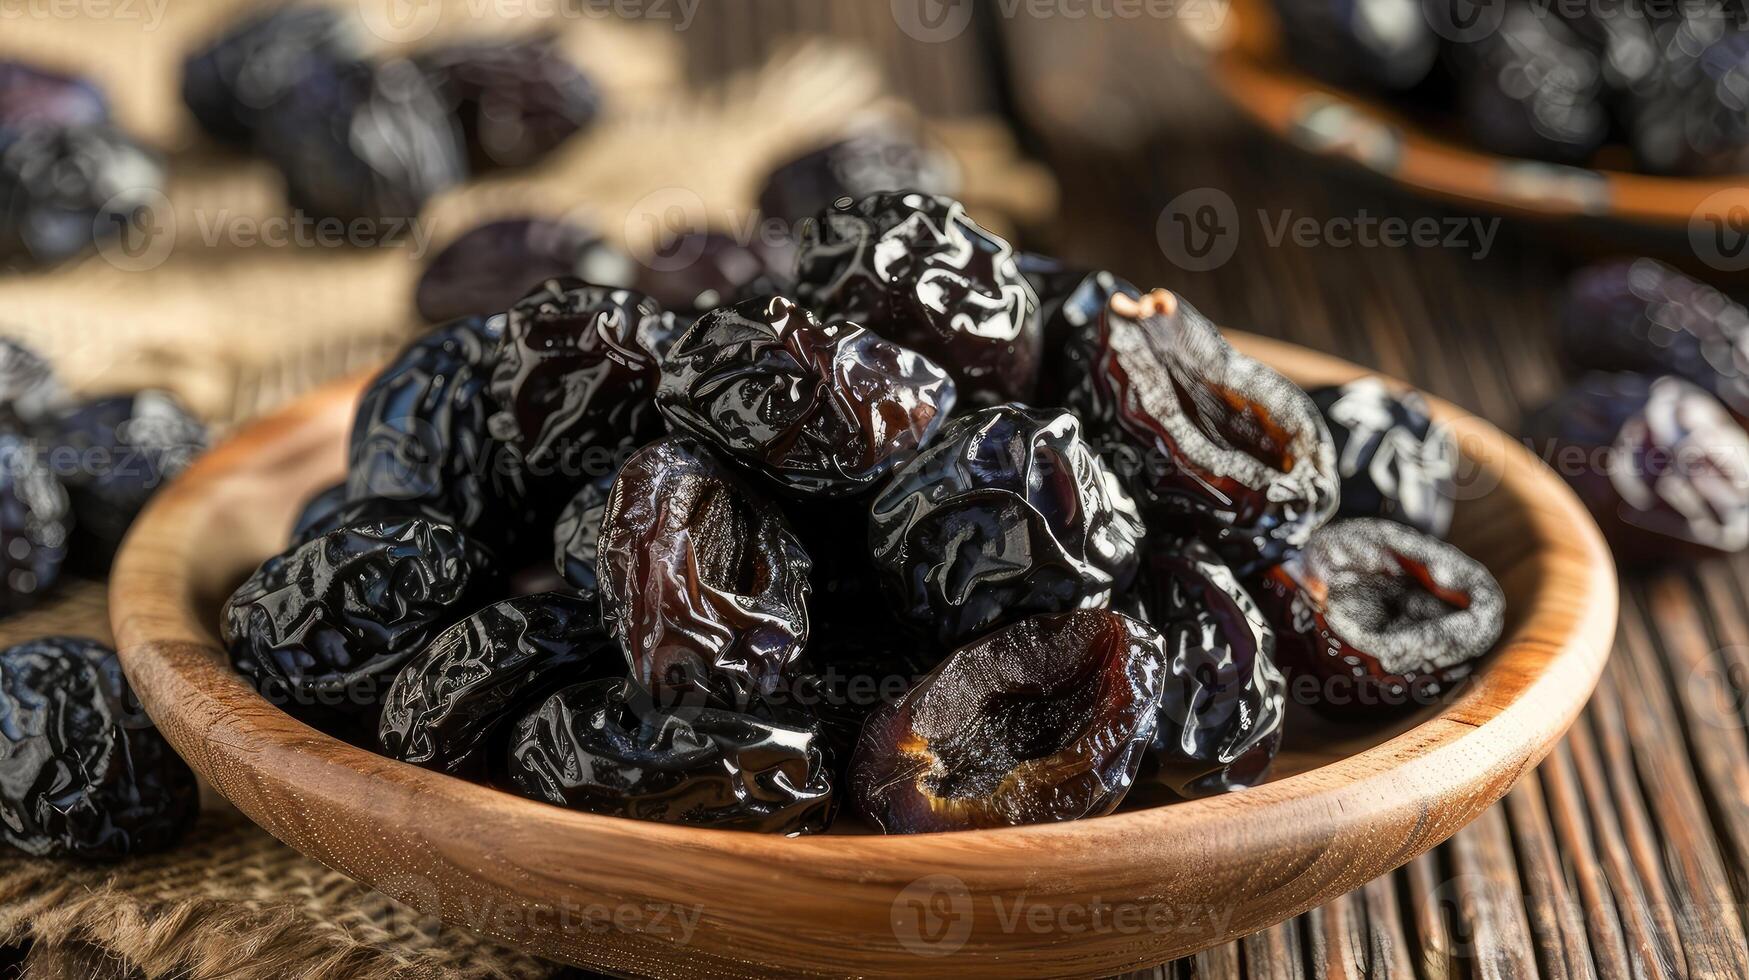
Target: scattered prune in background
(30,392)
(1385,44)
(1625,38)
(233,82)
(1392,460)
(450,707)
(702,579)
(1009,513)
(1223,704)
(489,267)
(114,454)
(822,409)
(1532,88)
(64,190)
(577,536)
(1381,617)
(1208,439)
(700,271)
(1685,116)
(83,773)
(604,747)
(1045,720)
(1658,461)
(31,96)
(517,100)
(36,521)
(917,270)
(872,159)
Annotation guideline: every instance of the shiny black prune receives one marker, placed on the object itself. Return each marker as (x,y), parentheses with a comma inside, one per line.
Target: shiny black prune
(1532,88)
(30,393)
(233,82)
(114,454)
(604,747)
(1046,720)
(64,190)
(36,522)
(1394,462)
(1383,44)
(489,267)
(1208,439)
(1009,513)
(31,96)
(83,774)
(1379,617)
(1071,315)
(917,270)
(1224,701)
(517,100)
(320,514)
(700,271)
(577,535)
(850,672)
(323,628)
(702,579)
(873,159)
(822,409)
(450,707)
(1658,461)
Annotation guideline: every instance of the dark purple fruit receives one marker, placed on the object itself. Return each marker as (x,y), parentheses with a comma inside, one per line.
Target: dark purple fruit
(1072,313)
(62,191)
(700,271)
(873,159)
(516,100)
(1381,44)
(36,521)
(1392,459)
(1532,88)
(1689,114)
(233,83)
(488,268)
(114,454)
(32,97)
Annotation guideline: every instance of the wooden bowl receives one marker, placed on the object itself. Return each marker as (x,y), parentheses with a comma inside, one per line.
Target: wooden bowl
(1097,896)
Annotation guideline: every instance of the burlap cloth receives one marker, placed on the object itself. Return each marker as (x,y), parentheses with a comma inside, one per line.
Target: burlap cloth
(237,326)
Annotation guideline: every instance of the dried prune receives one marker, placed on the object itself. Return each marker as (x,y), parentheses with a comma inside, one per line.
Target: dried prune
(35,524)
(320,515)
(63,190)
(917,270)
(450,707)
(603,747)
(701,271)
(702,580)
(1384,44)
(489,267)
(872,159)
(517,100)
(30,393)
(324,627)
(1046,720)
(1207,438)
(1222,709)
(822,409)
(1379,617)
(577,535)
(233,82)
(1658,461)
(32,96)
(1392,459)
(1009,513)
(83,773)
(1071,315)
(849,673)
(1532,88)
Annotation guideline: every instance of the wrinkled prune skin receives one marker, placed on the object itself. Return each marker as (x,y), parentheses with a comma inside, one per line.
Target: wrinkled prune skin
(1009,513)
(114,454)
(30,393)
(325,627)
(604,747)
(917,270)
(702,579)
(1224,701)
(1658,461)
(517,100)
(450,707)
(577,536)
(821,409)
(1641,315)
(1532,88)
(1381,617)
(231,84)
(489,267)
(873,159)
(1045,720)
(36,520)
(1209,440)
(700,271)
(1071,317)
(64,190)
(83,774)
(848,674)
(1392,460)
(32,96)
(1383,44)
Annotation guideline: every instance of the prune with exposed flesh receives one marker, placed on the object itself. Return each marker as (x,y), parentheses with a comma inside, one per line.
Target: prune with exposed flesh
(700,271)
(63,191)
(577,536)
(1070,318)
(1532,88)
(488,268)
(1393,461)
(325,627)
(1380,616)
(702,579)
(83,774)
(1224,701)
(1658,461)
(238,78)
(822,409)
(1208,438)
(32,96)
(450,707)
(516,100)
(872,159)
(114,454)
(1008,514)
(36,521)
(604,747)
(30,393)
(1045,720)
(1382,44)
(917,270)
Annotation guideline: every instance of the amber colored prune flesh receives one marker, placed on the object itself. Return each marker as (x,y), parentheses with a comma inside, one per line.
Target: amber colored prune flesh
(603,747)
(1379,617)
(822,409)
(36,520)
(702,579)
(114,454)
(489,267)
(917,270)
(64,190)
(1045,720)
(83,774)
(450,707)
(233,82)
(1393,461)
(517,100)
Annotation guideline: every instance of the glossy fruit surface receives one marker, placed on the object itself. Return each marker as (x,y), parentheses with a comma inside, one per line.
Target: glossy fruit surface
(64,190)
(489,267)
(577,536)
(114,454)
(517,100)
(240,76)
(697,272)
(36,522)
(1392,460)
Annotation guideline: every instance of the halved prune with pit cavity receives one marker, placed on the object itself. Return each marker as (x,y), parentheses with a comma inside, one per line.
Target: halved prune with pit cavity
(36,521)
(1045,720)
(1394,462)
(1375,617)
(822,409)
